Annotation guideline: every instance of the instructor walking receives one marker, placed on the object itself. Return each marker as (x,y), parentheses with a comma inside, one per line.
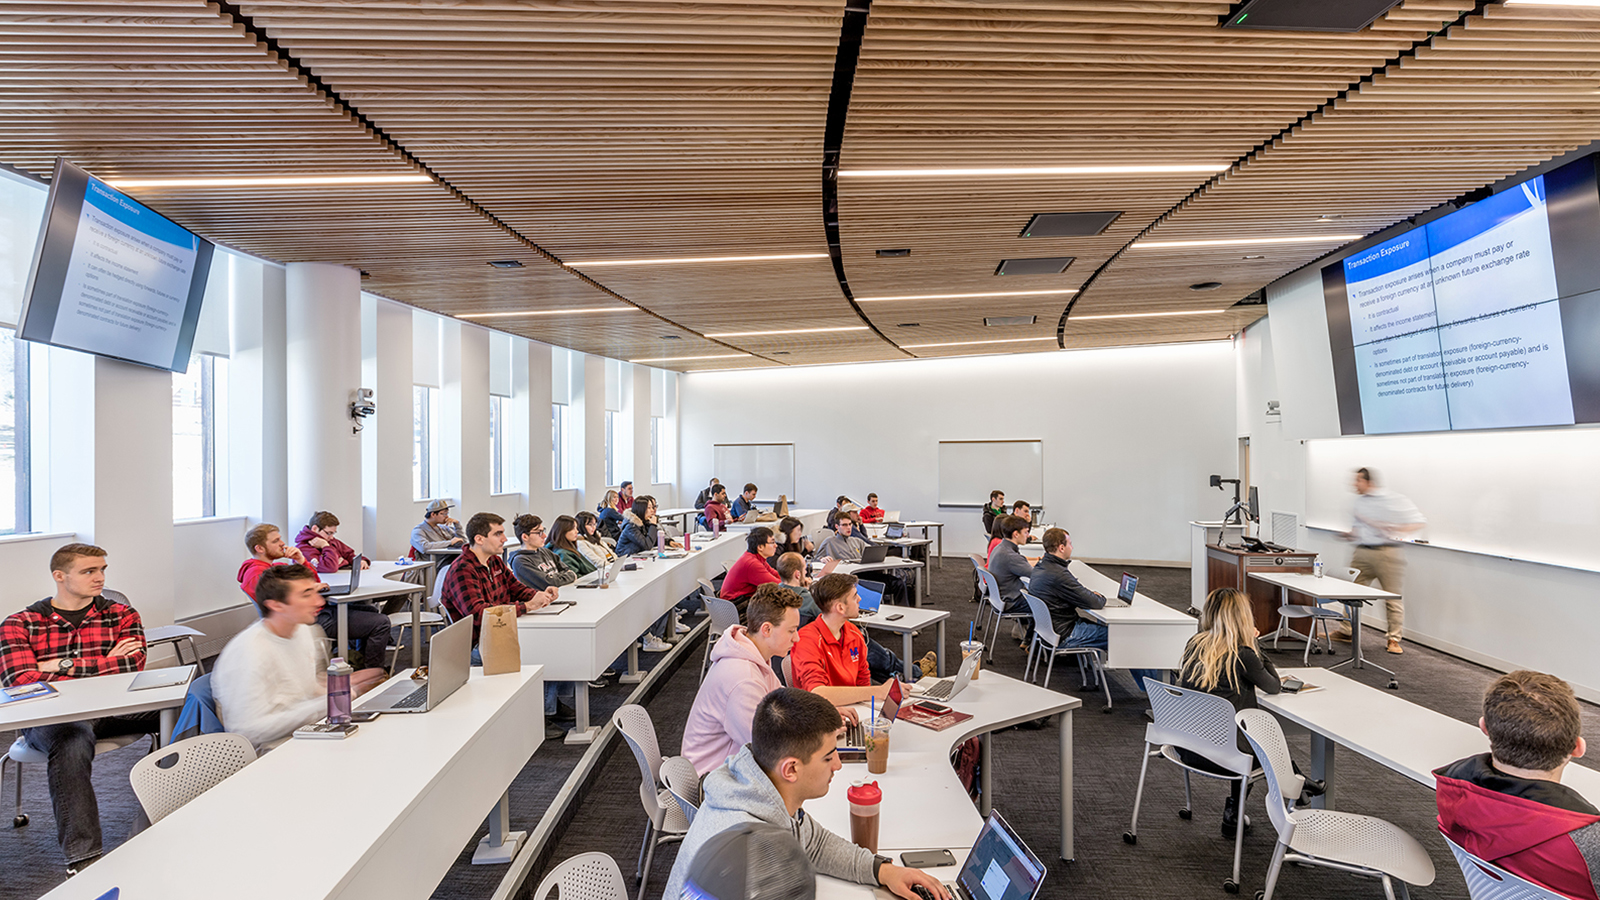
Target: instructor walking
(1382,518)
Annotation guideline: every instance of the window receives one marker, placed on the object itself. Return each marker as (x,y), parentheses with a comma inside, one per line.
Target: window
(611,447)
(558,446)
(199,436)
(656,475)
(424,441)
(500,447)
(15,456)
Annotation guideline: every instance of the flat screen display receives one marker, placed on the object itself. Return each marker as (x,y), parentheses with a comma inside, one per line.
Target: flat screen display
(1484,318)
(113,277)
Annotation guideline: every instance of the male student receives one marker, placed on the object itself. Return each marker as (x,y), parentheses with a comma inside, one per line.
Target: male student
(1054,585)
(436,531)
(872,513)
(480,579)
(323,551)
(272,677)
(882,661)
(790,759)
(995,509)
(267,548)
(843,545)
(751,569)
(841,505)
(830,655)
(745,503)
(1007,564)
(535,564)
(369,629)
(741,674)
(705,494)
(715,508)
(82,631)
(1508,806)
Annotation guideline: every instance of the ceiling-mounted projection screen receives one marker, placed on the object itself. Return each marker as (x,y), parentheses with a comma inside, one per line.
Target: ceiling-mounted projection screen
(969,470)
(770,467)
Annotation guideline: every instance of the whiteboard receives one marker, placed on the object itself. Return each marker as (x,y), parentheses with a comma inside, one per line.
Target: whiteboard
(969,470)
(770,467)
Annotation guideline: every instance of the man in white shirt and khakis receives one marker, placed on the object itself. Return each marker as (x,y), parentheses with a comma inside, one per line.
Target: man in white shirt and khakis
(1381,519)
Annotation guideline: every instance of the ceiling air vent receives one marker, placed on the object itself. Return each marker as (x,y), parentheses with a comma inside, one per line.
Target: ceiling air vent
(505,264)
(992,321)
(1039,265)
(1307,15)
(1058,225)
(895,253)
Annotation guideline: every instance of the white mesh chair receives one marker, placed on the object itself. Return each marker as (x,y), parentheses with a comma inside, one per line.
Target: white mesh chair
(1048,643)
(587,876)
(978,565)
(683,782)
(787,666)
(707,589)
(431,619)
(1319,615)
(23,752)
(1487,881)
(1361,845)
(994,609)
(665,823)
(175,634)
(723,613)
(164,781)
(1200,723)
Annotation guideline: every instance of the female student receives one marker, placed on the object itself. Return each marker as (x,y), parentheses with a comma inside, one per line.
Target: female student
(610,516)
(792,539)
(563,540)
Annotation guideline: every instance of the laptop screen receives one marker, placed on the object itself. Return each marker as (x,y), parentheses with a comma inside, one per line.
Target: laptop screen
(871,594)
(1130,586)
(895,531)
(1000,866)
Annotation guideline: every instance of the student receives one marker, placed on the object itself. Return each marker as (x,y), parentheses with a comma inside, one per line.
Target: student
(535,565)
(82,631)
(841,505)
(267,548)
(751,569)
(480,579)
(611,518)
(872,514)
(436,531)
(740,675)
(1007,564)
(639,528)
(844,545)
(790,759)
(792,539)
(1508,806)
(715,508)
(272,677)
(1224,659)
(323,551)
(624,497)
(705,494)
(1054,585)
(995,509)
(591,543)
(369,629)
(745,503)
(792,574)
(830,656)
(563,542)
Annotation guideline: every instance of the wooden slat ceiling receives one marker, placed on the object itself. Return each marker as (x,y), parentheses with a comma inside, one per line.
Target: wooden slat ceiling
(571,132)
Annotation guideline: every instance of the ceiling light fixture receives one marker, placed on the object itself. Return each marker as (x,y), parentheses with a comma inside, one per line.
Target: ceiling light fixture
(1184,169)
(269,181)
(970,343)
(1593,4)
(1149,315)
(728,334)
(967,296)
(674,260)
(688,358)
(1245,241)
(545,312)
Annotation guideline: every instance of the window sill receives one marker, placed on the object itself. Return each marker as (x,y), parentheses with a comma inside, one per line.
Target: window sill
(206,520)
(37,536)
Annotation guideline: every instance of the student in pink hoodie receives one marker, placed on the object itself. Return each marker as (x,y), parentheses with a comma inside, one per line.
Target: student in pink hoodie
(741,674)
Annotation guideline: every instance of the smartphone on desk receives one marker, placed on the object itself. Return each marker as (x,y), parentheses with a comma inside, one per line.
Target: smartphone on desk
(927,859)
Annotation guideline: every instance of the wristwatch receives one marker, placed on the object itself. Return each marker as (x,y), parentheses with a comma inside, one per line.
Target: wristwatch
(64,666)
(878,862)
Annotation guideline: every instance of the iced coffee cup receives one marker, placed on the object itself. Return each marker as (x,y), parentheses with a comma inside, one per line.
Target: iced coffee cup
(967,649)
(878,746)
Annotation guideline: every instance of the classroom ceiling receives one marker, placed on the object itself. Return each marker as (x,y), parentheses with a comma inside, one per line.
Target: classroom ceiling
(584,138)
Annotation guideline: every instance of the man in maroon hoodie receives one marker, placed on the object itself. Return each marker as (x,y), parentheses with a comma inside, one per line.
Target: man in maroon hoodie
(323,551)
(1508,806)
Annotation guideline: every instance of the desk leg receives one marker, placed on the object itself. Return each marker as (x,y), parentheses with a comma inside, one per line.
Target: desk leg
(921,588)
(1064,725)
(342,616)
(940,649)
(672,626)
(169,721)
(941,542)
(416,632)
(501,844)
(633,675)
(1322,768)
(985,777)
(581,732)
(905,648)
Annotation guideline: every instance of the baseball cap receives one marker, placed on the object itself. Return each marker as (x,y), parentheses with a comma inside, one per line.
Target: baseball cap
(438,506)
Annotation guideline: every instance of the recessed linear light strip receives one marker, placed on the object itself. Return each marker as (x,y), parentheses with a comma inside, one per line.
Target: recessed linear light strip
(968,296)
(676,260)
(268,181)
(1184,169)
(688,358)
(1591,4)
(1049,337)
(546,312)
(1148,315)
(1247,241)
(728,334)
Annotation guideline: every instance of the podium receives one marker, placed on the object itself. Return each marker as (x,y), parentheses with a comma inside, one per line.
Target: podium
(1227,567)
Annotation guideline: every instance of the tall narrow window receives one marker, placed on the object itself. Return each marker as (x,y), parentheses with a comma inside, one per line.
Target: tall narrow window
(424,441)
(655,451)
(500,447)
(558,446)
(15,457)
(611,447)
(198,431)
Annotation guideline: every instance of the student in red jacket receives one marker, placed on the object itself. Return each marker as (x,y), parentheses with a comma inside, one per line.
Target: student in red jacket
(751,570)
(1508,806)
(83,631)
(267,548)
(323,551)
(830,654)
(872,513)
(370,631)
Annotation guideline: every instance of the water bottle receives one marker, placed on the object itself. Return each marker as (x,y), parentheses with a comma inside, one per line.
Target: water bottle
(1316,567)
(661,541)
(688,545)
(716,527)
(339,673)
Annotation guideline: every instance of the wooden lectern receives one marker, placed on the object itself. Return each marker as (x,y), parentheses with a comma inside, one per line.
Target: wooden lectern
(1227,567)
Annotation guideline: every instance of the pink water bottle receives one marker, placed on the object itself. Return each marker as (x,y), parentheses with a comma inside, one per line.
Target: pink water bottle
(716,526)
(661,541)
(339,673)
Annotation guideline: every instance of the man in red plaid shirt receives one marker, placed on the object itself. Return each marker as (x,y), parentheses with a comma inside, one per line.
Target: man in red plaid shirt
(81,632)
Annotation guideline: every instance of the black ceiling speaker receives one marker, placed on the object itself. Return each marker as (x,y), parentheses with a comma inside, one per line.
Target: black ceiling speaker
(1039,265)
(1080,224)
(1307,15)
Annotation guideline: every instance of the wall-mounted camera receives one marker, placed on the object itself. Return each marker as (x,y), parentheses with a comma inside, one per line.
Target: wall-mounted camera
(360,408)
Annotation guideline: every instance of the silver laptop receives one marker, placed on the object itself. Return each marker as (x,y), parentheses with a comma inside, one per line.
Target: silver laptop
(449,664)
(1125,591)
(999,866)
(340,590)
(894,531)
(948,688)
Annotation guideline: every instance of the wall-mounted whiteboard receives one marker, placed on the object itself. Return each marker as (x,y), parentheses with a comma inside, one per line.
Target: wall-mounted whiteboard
(770,467)
(969,470)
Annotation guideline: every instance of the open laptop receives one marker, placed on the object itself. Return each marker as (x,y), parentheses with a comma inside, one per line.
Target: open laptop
(892,515)
(339,590)
(449,664)
(999,866)
(1125,592)
(853,740)
(874,554)
(871,594)
(894,531)
(947,688)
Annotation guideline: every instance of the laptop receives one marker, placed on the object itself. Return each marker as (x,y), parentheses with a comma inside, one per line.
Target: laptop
(871,594)
(947,688)
(449,664)
(999,866)
(894,531)
(339,590)
(874,554)
(1130,586)
(892,515)
(853,739)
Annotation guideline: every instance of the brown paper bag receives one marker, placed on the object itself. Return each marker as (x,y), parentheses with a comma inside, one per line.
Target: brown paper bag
(783,506)
(497,641)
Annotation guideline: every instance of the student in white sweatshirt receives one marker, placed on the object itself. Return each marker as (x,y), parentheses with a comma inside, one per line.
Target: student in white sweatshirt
(272,677)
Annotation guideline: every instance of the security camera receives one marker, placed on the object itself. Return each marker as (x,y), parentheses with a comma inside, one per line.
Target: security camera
(361,407)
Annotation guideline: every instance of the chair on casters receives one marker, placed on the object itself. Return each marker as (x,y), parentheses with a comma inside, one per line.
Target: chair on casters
(978,565)
(994,609)
(1319,615)
(173,634)
(683,782)
(587,876)
(1487,881)
(723,613)
(164,781)
(1361,845)
(23,752)
(429,618)
(1200,723)
(788,671)
(1048,642)
(666,823)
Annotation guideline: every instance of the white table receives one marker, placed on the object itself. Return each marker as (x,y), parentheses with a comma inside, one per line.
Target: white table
(1394,732)
(834,889)
(920,523)
(924,804)
(812,519)
(682,514)
(912,620)
(889,563)
(1353,596)
(378,582)
(410,791)
(95,698)
(1144,635)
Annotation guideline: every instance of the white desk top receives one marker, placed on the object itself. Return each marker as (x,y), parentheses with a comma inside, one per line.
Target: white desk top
(834,889)
(594,604)
(378,580)
(889,562)
(912,618)
(90,698)
(1324,588)
(1143,609)
(684,511)
(424,784)
(1389,729)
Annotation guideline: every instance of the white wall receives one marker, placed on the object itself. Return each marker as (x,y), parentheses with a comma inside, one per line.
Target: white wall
(1130,436)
